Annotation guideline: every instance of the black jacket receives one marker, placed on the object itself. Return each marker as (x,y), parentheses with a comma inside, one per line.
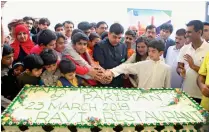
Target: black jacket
(109,57)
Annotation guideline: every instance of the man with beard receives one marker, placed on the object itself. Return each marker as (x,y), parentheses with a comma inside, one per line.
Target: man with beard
(172,56)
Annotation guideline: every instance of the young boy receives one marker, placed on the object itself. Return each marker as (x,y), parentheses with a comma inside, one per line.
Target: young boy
(7,59)
(33,68)
(94,38)
(46,40)
(52,73)
(68,78)
(130,37)
(152,73)
(9,85)
(80,41)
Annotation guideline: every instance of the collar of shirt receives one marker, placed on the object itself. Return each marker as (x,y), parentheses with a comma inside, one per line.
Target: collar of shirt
(174,48)
(201,47)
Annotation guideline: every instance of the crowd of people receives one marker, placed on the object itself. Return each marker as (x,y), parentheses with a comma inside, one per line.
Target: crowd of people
(94,54)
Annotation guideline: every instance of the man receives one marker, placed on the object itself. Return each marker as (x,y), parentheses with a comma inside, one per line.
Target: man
(93,27)
(172,56)
(191,57)
(130,37)
(150,32)
(111,53)
(68,26)
(165,32)
(35,28)
(85,27)
(29,21)
(135,29)
(101,27)
(203,83)
(59,28)
(206,31)
(43,23)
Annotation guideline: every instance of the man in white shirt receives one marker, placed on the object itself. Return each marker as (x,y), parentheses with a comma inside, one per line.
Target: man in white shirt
(152,73)
(191,57)
(68,26)
(172,56)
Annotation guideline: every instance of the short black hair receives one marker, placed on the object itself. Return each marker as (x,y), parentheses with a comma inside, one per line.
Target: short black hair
(17,64)
(100,23)
(84,26)
(57,26)
(66,66)
(150,27)
(206,23)
(7,50)
(167,26)
(181,32)
(140,40)
(157,44)
(116,28)
(92,36)
(43,21)
(33,61)
(198,25)
(93,24)
(104,35)
(60,35)
(76,31)
(78,37)
(49,57)
(131,32)
(28,18)
(46,36)
(68,22)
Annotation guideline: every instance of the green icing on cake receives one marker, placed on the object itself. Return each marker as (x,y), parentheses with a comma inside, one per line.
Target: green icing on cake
(112,112)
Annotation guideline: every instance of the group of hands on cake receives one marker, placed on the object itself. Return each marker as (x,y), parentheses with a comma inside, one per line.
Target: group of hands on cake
(103,76)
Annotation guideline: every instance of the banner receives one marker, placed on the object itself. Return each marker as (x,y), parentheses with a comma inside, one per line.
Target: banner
(144,17)
(207,12)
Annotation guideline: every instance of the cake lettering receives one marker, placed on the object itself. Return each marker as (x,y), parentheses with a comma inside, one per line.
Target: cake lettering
(74,105)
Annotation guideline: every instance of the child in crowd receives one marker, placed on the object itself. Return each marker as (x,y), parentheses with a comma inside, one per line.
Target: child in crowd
(60,45)
(80,41)
(33,68)
(94,38)
(9,83)
(52,73)
(7,59)
(158,74)
(68,78)
(130,37)
(46,40)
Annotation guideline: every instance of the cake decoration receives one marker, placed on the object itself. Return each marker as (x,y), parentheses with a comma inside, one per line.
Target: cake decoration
(100,108)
